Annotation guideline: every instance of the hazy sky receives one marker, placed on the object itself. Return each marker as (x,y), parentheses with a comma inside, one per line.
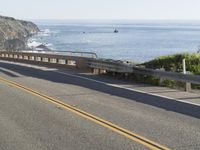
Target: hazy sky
(102,9)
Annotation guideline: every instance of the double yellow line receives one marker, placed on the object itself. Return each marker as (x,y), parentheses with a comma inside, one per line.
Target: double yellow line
(133,136)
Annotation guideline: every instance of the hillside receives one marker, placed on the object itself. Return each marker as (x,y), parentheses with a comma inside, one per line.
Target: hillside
(14,33)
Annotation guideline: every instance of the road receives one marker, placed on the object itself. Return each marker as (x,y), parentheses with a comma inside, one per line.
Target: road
(31,119)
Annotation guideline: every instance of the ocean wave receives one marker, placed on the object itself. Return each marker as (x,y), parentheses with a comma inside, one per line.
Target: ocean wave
(47,32)
(49,44)
(33,44)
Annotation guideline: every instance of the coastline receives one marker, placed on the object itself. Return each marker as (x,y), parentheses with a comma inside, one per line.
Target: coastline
(135,41)
(14,33)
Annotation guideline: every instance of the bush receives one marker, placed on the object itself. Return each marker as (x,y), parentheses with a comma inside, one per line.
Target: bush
(173,63)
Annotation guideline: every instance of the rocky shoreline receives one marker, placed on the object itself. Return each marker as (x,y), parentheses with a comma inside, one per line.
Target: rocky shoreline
(15,33)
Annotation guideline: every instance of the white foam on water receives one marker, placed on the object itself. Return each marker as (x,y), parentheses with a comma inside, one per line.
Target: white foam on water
(49,44)
(32,43)
(47,32)
(38,39)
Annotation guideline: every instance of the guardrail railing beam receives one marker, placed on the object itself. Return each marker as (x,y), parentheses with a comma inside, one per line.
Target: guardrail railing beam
(98,65)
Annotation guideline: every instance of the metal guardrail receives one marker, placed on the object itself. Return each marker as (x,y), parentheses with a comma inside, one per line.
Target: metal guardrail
(121,67)
(84,63)
(110,65)
(67,53)
(169,75)
(45,58)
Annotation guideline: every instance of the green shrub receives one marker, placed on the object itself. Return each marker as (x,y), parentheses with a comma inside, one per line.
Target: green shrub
(173,63)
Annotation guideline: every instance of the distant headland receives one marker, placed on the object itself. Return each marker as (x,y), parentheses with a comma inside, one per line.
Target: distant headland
(14,33)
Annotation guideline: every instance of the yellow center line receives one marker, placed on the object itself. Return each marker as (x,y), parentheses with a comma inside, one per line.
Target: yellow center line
(130,135)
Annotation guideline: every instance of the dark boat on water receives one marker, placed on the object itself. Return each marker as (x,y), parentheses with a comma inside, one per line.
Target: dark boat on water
(116,31)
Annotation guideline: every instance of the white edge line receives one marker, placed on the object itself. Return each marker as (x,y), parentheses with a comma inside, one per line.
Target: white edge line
(115,85)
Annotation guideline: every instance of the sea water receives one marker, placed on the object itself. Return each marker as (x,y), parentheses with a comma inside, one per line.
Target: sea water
(137,41)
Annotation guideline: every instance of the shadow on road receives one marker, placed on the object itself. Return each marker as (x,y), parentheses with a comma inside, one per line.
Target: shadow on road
(8,73)
(167,104)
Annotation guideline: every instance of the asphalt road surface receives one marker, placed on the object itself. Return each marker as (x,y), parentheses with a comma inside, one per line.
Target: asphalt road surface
(49,109)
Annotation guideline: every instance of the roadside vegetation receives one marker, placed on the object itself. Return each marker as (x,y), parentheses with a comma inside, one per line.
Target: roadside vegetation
(171,63)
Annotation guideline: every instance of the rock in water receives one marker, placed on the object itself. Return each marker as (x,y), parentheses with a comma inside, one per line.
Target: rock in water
(43,47)
(15,33)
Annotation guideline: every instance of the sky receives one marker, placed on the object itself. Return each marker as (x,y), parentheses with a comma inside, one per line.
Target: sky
(102,9)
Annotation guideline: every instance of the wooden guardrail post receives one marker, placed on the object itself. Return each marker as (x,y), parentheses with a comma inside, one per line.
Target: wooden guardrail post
(81,63)
(161,80)
(96,71)
(187,84)
(188,87)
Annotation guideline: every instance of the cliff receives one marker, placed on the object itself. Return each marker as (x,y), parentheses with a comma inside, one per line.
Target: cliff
(14,33)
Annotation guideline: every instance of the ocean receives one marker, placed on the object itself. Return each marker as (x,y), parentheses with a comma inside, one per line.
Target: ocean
(137,41)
